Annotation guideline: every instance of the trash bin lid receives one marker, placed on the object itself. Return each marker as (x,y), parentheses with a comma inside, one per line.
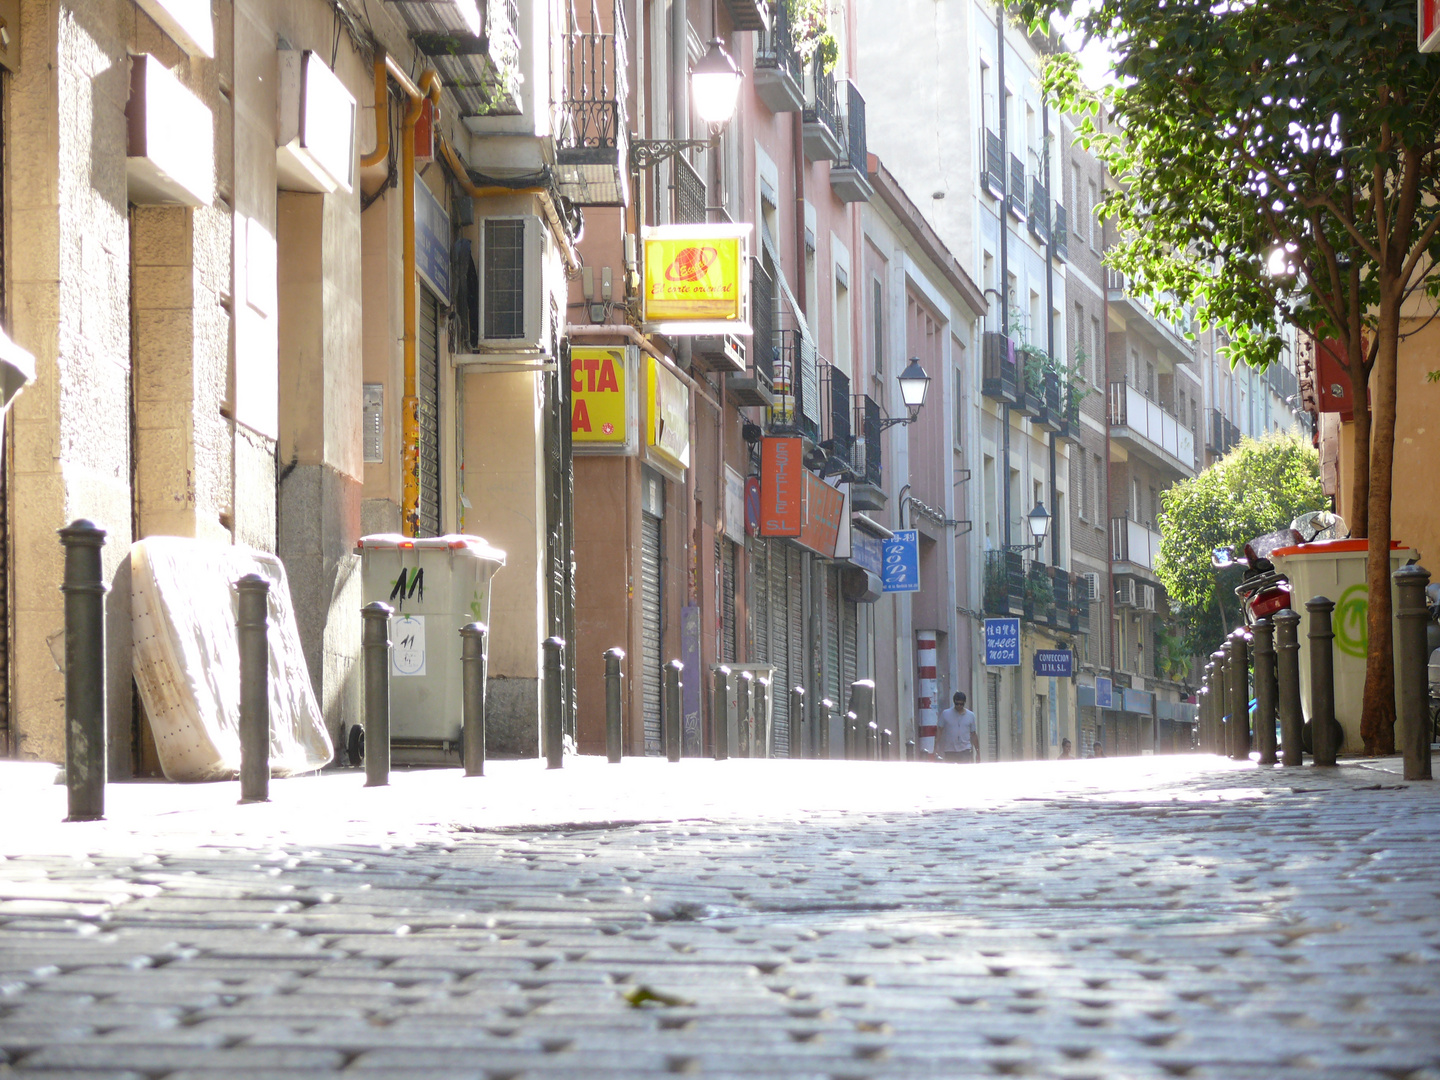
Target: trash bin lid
(475,546)
(1332,547)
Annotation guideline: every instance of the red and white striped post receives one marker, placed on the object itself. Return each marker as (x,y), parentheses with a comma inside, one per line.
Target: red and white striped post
(927,692)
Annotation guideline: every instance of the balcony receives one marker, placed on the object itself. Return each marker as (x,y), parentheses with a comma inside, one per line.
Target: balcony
(480,67)
(850,174)
(820,121)
(796,410)
(1221,436)
(1147,428)
(1004,583)
(1051,412)
(1039,210)
(756,386)
(1016,202)
(778,76)
(1140,312)
(866,491)
(750,14)
(999,376)
(1133,546)
(1039,605)
(591,150)
(992,169)
(837,438)
(1062,233)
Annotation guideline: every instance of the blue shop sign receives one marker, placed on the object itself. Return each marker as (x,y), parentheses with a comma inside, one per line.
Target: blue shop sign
(1056,663)
(432,241)
(867,552)
(1002,642)
(901,569)
(1104,692)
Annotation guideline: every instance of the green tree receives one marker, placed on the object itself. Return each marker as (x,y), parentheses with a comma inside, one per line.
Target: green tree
(1278,158)
(1258,487)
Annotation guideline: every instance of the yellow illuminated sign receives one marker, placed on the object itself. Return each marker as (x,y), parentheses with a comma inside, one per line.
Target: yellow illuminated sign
(695,273)
(598,412)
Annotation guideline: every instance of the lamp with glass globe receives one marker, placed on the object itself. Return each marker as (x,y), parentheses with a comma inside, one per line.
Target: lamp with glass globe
(715,90)
(914,385)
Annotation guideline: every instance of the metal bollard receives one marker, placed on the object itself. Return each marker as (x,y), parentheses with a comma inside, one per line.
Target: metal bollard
(1222,704)
(671,710)
(1287,687)
(742,714)
(1207,710)
(1322,681)
(614,737)
(872,741)
(252,626)
(797,722)
(376,636)
(1237,682)
(84,589)
(762,707)
(722,712)
(1412,672)
(1263,631)
(554,729)
(827,710)
(887,744)
(862,701)
(909,749)
(472,696)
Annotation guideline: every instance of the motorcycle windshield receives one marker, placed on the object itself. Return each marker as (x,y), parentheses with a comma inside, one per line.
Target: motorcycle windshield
(1262,546)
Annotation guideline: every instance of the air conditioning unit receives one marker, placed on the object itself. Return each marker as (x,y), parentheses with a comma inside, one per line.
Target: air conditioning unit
(1125,592)
(1147,598)
(512,309)
(1091,589)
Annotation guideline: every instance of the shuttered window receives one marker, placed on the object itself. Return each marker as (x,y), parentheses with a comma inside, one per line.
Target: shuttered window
(427,389)
(650,601)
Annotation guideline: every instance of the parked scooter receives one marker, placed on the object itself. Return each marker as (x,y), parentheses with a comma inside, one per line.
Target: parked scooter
(1263,590)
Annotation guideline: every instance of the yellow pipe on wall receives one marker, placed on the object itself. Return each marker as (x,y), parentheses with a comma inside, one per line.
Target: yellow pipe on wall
(410,404)
(382,116)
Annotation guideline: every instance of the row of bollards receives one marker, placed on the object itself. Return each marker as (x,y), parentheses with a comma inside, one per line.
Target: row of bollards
(1271,649)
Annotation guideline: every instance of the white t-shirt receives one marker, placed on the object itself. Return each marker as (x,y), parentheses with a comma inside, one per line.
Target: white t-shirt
(956,731)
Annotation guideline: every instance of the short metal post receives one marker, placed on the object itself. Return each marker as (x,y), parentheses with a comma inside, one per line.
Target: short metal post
(909,749)
(376,645)
(84,589)
(1322,681)
(1287,686)
(252,626)
(762,709)
(614,740)
(822,733)
(887,743)
(1263,631)
(742,714)
(1412,672)
(1237,680)
(1222,703)
(671,725)
(862,701)
(872,741)
(472,696)
(722,712)
(1207,710)
(554,730)
(797,722)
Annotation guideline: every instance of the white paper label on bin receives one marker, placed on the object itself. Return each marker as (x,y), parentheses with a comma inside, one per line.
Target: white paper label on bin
(407,648)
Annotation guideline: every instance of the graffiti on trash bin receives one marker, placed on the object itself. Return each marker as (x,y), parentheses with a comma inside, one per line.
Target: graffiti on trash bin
(1352,616)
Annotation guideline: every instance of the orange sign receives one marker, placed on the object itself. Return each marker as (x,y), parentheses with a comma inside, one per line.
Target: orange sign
(824,506)
(782,487)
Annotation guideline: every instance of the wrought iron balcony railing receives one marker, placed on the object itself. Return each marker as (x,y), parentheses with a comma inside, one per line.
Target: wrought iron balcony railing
(868,447)
(838,442)
(796,410)
(762,315)
(775,48)
(821,117)
(590,142)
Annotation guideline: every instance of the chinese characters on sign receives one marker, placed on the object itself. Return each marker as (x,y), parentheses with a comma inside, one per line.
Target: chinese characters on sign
(1002,642)
(1056,663)
(782,488)
(900,557)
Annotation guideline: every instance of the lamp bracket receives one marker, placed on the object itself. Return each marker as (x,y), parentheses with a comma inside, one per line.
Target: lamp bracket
(647,152)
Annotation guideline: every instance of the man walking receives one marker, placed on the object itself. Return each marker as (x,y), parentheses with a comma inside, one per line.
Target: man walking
(955,734)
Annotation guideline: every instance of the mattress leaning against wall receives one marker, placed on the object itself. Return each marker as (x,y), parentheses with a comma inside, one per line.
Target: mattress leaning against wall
(187,660)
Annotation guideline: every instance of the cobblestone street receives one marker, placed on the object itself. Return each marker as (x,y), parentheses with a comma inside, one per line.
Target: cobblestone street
(1148,917)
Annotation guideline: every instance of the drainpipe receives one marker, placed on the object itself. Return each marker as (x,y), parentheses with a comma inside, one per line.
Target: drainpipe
(1003,112)
(1050,327)
(382,115)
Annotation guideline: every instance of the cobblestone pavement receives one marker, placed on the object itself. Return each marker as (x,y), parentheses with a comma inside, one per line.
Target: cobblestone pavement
(1139,918)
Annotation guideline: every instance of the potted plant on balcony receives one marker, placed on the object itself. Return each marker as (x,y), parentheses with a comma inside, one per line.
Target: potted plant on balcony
(997,592)
(810,29)
(1039,593)
(1032,379)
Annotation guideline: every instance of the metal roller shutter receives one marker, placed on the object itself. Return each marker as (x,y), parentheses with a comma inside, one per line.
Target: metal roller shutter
(780,646)
(760,601)
(837,690)
(427,389)
(795,620)
(650,599)
(849,641)
(725,556)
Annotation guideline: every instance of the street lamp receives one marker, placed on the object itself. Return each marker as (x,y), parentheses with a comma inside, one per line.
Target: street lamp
(914,385)
(1039,521)
(715,86)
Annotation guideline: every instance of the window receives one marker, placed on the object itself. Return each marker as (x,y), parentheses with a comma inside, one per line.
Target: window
(1099,351)
(1093,218)
(1150,380)
(1077,200)
(840,316)
(1083,468)
(1079,357)
(877,304)
(1101,509)
(1035,327)
(959,399)
(987,282)
(1012,291)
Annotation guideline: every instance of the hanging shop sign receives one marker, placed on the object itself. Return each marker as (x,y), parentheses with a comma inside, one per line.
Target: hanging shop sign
(1002,642)
(900,554)
(695,279)
(667,426)
(782,487)
(865,552)
(752,506)
(602,400)
(1104,693)
(432,241)
(823,513)
(1055,663)
(734,505)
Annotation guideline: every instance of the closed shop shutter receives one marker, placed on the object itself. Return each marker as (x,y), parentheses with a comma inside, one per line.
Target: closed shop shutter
(849,641)
(650,601)
(795,567)
(427,389)
(725,556)
(836,691)
(991,750)
(760,600)
(780,647)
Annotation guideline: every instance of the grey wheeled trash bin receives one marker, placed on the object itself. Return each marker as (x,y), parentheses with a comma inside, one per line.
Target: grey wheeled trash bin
(436,585)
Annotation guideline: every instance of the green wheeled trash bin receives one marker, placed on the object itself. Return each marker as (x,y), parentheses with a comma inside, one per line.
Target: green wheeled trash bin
(436,585)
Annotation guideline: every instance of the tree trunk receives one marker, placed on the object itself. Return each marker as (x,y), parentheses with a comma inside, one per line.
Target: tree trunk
(1377,717)
(1359,506)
